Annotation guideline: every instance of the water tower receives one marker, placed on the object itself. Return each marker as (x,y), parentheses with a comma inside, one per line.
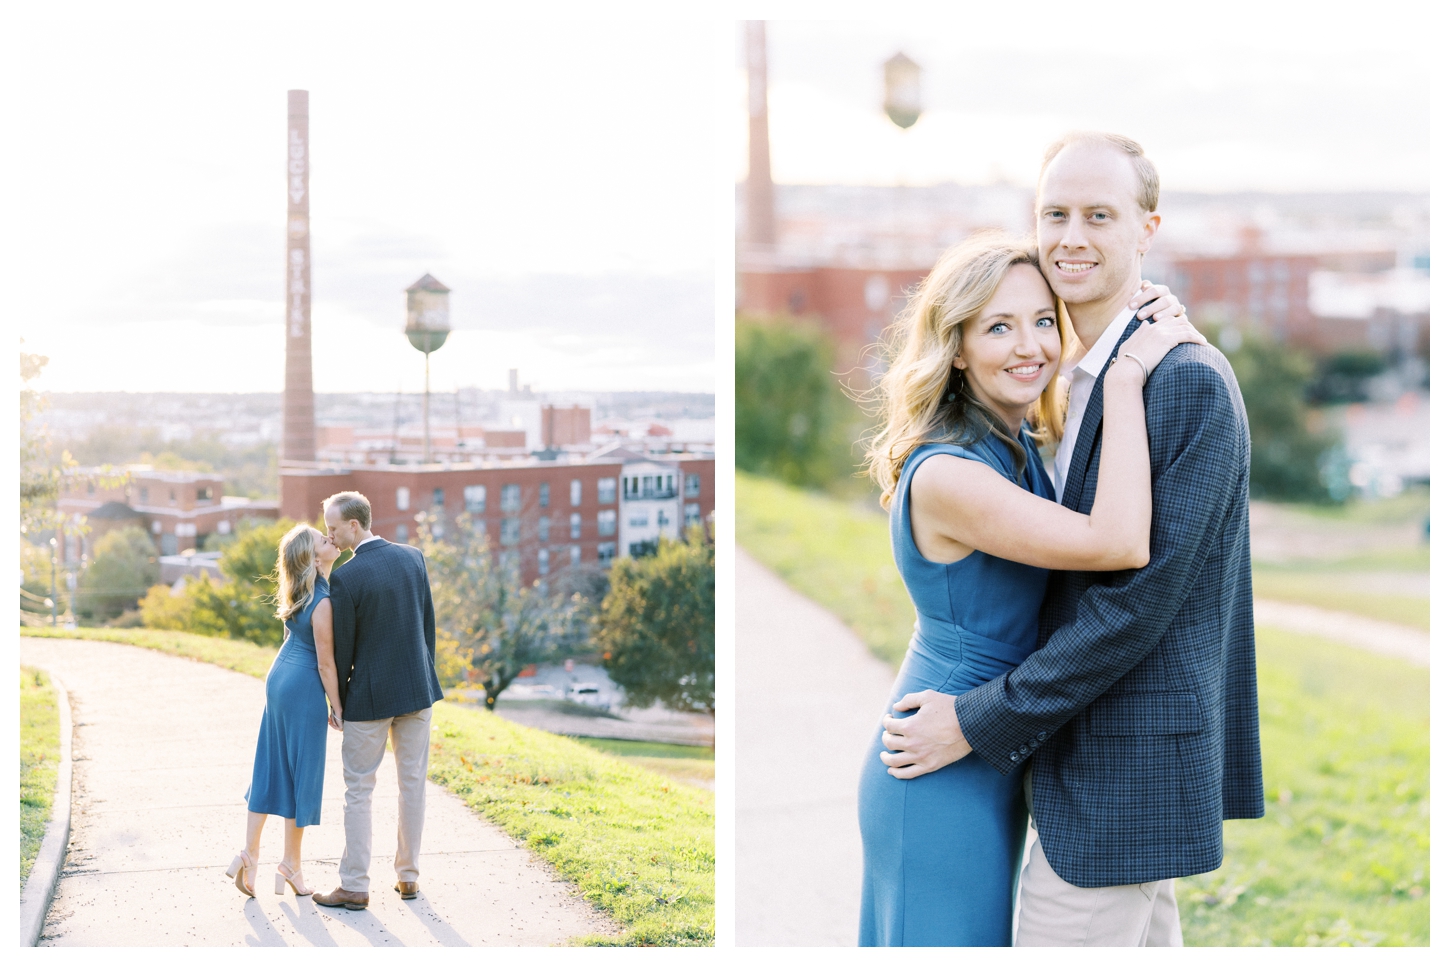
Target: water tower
(427,329)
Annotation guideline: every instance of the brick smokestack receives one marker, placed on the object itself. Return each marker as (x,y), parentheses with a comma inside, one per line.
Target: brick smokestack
(299,441)
(759,189)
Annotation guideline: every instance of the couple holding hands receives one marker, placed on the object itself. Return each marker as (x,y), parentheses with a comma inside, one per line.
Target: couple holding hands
(358,656)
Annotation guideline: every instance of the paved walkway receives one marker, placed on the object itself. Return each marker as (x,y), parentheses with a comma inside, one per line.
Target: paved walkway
(801,676)
(163,753)
(1380,637)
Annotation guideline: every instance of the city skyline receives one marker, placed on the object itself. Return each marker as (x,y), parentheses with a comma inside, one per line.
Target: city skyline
(575,230)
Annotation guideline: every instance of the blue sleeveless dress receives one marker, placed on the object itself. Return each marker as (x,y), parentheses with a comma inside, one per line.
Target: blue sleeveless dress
(942,851)
(292,742)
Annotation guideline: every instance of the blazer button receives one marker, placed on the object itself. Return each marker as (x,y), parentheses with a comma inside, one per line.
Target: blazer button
(1014,757)
(1041,736)
(1023,750)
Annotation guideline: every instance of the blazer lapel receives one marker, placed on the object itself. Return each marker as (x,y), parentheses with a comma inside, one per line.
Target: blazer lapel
(1087,434)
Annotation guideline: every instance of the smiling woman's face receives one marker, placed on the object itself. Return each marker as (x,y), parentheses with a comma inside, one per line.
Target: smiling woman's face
(1011,350)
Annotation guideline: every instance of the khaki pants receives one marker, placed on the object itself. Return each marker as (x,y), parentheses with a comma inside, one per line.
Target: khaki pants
(1054,913)
(363,744)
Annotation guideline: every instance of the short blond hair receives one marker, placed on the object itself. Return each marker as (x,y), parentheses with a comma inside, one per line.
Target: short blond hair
(1147,173)
(352,506)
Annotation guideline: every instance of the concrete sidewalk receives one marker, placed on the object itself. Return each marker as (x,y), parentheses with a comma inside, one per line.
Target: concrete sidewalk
(163,754)
(808,697)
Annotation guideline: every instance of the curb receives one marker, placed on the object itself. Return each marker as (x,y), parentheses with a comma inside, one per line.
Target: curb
(40,887)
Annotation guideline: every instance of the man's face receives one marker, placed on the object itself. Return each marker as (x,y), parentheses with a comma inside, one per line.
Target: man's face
(1091,231)
(342,532)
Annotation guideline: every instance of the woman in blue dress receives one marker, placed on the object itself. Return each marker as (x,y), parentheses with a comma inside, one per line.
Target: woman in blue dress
(970,394)
(301,685)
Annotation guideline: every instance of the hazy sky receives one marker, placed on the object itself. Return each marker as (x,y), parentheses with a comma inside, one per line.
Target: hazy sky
(556,176)
(1224,96)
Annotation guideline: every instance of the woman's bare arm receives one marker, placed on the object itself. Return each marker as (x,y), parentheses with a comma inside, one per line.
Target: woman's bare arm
(326,661)
(958,506)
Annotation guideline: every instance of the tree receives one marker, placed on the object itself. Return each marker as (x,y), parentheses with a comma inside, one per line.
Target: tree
(243,604)
(500,627)
(1288,456)
(657,626)
(122,568)
(793,420)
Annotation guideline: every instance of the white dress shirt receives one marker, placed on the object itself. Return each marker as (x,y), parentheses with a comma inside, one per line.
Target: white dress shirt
(365,540)
(1080,380)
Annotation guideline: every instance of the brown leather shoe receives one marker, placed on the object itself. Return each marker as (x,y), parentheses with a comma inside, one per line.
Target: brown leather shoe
(342,898)
(408,891)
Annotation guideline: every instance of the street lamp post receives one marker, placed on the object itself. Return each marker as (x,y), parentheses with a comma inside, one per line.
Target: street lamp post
(427,329)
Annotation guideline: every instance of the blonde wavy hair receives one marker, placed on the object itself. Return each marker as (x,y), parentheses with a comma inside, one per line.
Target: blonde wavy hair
(296,571)
(921,398)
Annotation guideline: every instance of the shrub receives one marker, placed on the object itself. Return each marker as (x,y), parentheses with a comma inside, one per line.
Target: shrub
(123,567)
(793,420)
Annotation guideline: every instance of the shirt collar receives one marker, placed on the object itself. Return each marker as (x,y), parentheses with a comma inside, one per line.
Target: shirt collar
(1096,358)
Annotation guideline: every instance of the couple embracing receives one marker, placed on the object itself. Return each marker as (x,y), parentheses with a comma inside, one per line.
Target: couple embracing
(358,657)
(1084,648)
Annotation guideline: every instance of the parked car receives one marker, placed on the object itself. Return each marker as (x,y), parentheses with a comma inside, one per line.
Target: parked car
(587,693)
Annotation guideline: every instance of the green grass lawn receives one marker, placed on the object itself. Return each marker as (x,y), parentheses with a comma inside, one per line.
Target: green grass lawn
(636,843)
(835,553)
(39,762)
(1338,589)
(1342,855)
(239,656)
(688,763)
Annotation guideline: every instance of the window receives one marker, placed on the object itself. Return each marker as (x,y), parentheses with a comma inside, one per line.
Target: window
(543,530)
(438,498)
(639,520)
(543,561)
(156,527)
(508,532)
(224,527)
(664,520)
(475,498)
(401,535)
(203,494)
(173,496)
(606,552)
(543,495)
(480,527)
(91,488)
(576,493)
(509,500)
(168,543)
(145,494)
(403,499)
(692,485)
(573,555)
(575,523)
(692,515)
(438,529)
(606,490)
(606,523)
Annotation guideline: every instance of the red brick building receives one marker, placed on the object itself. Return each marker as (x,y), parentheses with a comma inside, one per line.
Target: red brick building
(853,305)
(551,513)
(178,508)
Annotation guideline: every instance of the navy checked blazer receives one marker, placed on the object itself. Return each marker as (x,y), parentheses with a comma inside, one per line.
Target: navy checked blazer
(382,631)
(1139,709)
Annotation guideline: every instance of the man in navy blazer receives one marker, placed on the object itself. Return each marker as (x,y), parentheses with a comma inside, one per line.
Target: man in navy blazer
(1135,723)
(383,637)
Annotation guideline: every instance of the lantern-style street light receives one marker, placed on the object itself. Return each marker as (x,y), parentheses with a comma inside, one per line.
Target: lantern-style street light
(427,329)
(903,90)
